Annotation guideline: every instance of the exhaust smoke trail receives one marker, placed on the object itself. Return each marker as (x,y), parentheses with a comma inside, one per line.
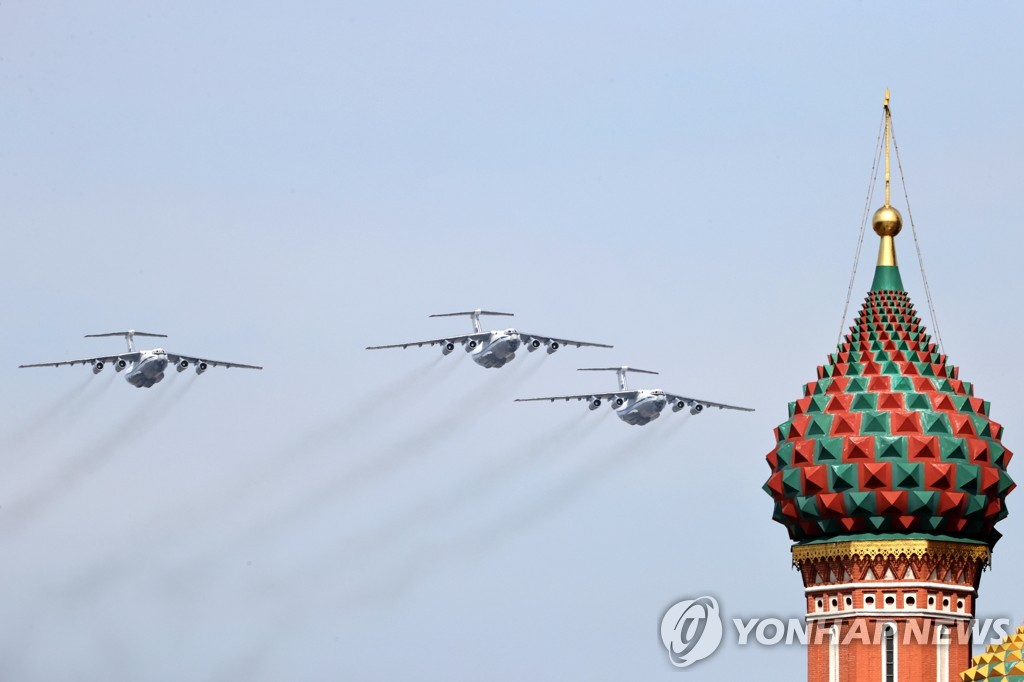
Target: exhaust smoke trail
(79,467)
(514,459)
(466,410)
(63,408)
(281,461)
(604,463)
(504,466)
(328,433)
(409,381)
(367,469)
(375,465)
(387,460)
(379,464)
(554,498)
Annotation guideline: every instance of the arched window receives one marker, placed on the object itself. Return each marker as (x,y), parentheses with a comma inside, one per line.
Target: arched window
(833,654)
(942,654)
(889,671)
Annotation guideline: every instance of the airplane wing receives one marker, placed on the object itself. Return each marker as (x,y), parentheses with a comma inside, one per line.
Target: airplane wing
(589,397)
(175,358)
(130,357)
(479,336)
(527,338)
(706,403)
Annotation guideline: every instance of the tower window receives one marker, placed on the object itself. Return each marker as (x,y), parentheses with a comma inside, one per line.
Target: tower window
(889,653)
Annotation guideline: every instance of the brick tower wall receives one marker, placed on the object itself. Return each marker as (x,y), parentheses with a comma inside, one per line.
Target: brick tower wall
(858,590)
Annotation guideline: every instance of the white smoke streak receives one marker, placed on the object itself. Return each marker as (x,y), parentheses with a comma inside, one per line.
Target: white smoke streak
(56,414)
(78,468)
(563,492)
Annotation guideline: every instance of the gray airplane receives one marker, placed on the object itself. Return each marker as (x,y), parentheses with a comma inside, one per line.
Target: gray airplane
(638,407)
(492,349)
(143,367)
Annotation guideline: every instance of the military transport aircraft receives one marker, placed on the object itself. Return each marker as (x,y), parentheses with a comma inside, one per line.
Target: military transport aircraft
(144,367)
(638,407)
(495,348)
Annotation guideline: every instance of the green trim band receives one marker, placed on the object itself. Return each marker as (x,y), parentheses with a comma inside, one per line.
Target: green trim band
(881,537)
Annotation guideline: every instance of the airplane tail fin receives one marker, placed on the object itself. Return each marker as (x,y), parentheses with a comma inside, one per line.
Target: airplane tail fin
(475,314)
(128,336)
(621,372)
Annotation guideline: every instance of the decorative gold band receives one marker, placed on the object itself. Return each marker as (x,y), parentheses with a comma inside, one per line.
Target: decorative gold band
(910,548)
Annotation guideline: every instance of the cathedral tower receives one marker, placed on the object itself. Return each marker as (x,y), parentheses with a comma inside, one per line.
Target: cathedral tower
(890,477)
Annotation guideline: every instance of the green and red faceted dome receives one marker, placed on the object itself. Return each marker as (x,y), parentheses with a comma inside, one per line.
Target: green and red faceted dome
(888,439)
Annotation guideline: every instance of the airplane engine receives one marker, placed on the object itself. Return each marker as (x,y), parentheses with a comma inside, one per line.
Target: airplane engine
(619,402)
(471,345)
(533,345)
(553,346)
(595,403)
(200,367)
(678,405)
(97,367)
(447,347)
(182,365)
(697,408)
(120,364)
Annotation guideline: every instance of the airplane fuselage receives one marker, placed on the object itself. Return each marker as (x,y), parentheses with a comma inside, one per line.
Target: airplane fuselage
(149,370)
(643,409)
(497,350)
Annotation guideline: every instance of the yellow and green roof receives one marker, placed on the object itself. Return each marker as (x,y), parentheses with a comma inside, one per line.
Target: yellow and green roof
(1003,662)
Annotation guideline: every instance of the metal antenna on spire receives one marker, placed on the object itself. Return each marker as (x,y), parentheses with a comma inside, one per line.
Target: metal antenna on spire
(888,129)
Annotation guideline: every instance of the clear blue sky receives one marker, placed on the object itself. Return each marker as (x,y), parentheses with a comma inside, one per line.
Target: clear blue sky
(286,183)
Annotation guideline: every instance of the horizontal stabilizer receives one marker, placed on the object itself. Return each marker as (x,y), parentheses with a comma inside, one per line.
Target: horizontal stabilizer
(615,369)
(129,336)
(130,332)
(474,313)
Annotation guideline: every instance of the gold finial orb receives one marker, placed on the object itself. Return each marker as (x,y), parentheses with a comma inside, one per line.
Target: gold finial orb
(887,222)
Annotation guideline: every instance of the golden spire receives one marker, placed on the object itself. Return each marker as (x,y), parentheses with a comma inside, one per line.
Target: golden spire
(887,221)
